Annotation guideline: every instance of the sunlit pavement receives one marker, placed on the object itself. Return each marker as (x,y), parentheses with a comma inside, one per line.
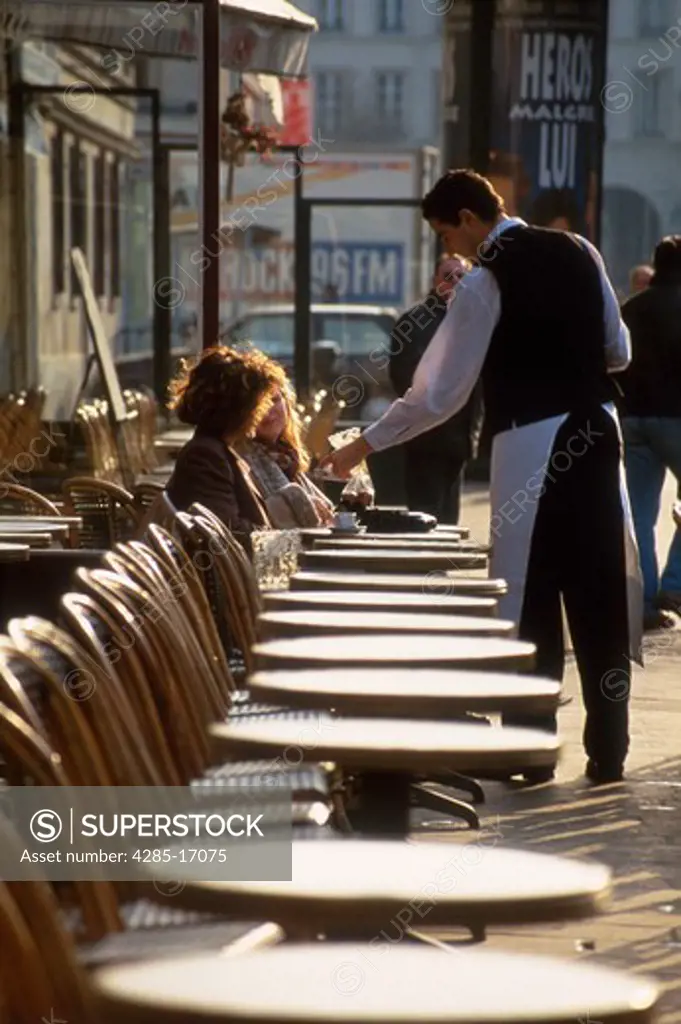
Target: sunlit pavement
(634,827)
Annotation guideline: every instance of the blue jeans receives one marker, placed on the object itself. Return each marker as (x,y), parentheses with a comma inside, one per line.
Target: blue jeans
(652,445)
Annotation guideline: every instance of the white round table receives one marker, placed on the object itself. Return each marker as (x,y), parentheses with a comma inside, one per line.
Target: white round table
(351,888)
(381,600)
(372,983)
(305,622)
(432,694)
(442,584)
(387,752)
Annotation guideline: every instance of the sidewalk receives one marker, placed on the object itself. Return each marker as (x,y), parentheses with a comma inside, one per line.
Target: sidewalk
(634,827)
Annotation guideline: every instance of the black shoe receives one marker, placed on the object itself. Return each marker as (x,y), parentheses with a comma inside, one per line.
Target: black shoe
(535,776)
(657,620)
(602,775)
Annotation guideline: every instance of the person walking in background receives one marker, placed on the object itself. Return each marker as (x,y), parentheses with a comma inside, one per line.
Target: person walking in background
(640,278)
(434,462)
(561,522)
(651,423)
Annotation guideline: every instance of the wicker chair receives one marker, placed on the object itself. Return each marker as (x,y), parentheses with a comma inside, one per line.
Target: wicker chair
(40,967)
(148,408)
(108,929)
(145,493)
(20,423)
(109,512)
(143,412)
(226,543)
(224,584)
(14,498)
(100,446)
(169,674)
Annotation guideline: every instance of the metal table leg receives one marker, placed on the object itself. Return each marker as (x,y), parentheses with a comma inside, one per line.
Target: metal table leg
(383,803)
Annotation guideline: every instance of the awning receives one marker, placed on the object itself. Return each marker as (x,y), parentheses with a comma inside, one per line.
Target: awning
(264,99)
(258,36)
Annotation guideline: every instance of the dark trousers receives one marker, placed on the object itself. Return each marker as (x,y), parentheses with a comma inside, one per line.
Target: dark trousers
(433,482)
(577,554)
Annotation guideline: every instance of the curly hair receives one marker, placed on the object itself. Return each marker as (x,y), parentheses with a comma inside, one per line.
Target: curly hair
(225,391)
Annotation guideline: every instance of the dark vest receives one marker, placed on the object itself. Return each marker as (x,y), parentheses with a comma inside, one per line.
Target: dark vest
(547,353)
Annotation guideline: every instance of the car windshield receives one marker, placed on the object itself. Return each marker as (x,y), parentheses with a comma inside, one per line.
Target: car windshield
(273,334)
(356,334)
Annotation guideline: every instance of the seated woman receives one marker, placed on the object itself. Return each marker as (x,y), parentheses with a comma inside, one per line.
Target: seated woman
(278,463)
(224,395)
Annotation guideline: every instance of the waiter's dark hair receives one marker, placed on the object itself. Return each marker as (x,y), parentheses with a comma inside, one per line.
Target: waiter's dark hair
(462,190)
(667,258)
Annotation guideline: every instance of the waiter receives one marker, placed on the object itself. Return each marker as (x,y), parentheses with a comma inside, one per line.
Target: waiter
(538,320)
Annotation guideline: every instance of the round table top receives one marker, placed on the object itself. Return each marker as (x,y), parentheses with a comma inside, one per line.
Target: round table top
(14,552)
(387,543)
(26,538)
(353,887)
(386,560)
(19,520)
(389,744)
(402,693)
(37,525)
(311,534)
(413,651)
(331,983)
(389,601)
(305,622)
(437,582)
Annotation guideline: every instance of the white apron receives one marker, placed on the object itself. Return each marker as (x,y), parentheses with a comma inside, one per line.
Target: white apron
(519,464)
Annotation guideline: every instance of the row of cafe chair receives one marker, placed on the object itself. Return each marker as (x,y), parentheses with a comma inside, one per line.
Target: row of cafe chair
(121,455)
(109,486)
(158,711)
(117,477)
(20,426)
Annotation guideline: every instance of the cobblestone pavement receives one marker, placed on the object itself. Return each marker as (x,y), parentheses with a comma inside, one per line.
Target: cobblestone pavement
(634,827)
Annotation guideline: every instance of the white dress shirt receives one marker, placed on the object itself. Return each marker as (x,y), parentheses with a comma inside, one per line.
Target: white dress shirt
(452,363)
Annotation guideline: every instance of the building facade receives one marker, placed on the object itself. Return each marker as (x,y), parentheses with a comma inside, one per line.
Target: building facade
(642,160)
(375,67)
(78,149)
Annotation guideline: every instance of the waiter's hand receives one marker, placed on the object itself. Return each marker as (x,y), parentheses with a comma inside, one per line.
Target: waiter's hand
(344,459)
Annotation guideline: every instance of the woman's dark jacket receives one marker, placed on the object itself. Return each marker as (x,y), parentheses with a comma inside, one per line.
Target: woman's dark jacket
(210,473)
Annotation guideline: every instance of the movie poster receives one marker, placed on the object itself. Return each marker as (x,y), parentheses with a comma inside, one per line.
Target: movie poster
(548,74)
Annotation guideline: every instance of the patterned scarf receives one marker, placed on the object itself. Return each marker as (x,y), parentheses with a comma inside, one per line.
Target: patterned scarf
(285,457)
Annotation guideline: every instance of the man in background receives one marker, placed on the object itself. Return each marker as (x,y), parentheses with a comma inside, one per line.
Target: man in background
(639,278)
(434,462)
(651,423)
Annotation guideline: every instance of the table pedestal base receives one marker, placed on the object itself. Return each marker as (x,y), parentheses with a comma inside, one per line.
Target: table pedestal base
(383,802)
(424,794)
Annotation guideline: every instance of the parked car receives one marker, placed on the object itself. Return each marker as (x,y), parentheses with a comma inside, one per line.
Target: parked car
(350,348)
